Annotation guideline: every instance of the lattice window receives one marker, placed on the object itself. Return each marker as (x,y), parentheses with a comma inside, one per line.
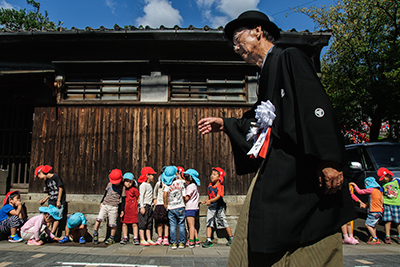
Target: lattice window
(208,89)
(107,89)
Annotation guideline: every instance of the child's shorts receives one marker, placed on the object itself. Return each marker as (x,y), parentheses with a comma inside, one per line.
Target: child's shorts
(146,219)
(110,212)
(218,217)
(373,218)
(160,215)
(191,213)
(391,213)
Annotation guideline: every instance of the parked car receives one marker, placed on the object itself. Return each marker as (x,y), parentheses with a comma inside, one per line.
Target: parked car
(365,159)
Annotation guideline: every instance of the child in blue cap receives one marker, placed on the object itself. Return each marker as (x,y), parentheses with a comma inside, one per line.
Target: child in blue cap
(76,227)
(36,225)
(375,207)
(129,209)
(192,205)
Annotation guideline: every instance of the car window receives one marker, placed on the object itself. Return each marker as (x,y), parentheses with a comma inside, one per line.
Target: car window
(367,160)
(386,156)
(353,155)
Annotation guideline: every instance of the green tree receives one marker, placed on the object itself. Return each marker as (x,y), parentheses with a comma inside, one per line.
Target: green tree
(15,20)
(361,68)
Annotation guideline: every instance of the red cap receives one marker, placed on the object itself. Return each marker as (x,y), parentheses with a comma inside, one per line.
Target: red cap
(43,168)
(221,173)
(5,201)
(115,176)
(144,172)
(382,172)
(180,169)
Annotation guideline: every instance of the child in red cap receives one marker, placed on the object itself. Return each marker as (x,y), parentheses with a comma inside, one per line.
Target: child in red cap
(216,206)
(12,216)
(145,206)
(56,193)
(391,202)
(115,189)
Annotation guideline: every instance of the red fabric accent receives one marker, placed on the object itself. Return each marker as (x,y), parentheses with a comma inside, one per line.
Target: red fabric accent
(264,148)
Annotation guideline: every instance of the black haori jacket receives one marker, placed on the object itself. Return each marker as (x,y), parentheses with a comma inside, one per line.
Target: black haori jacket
(288,208)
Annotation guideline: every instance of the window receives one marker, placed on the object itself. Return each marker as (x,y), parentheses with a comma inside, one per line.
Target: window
(208,90)
(125,88)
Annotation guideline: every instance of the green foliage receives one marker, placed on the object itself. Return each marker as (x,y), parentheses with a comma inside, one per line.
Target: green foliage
(15,20)
(361,69)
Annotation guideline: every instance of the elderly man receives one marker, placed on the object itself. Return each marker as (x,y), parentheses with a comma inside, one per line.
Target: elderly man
(295,206)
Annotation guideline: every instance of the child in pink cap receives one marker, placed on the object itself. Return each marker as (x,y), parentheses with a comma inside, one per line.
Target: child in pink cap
(115,189)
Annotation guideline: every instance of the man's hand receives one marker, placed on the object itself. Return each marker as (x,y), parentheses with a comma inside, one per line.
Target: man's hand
(210,124)
(330,177)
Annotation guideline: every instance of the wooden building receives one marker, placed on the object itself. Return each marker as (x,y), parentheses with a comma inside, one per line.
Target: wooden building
(88,101)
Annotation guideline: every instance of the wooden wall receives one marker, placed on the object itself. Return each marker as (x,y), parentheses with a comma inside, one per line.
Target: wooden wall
(84,143)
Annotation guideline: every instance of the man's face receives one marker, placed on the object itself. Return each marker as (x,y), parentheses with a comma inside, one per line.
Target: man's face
(245,44)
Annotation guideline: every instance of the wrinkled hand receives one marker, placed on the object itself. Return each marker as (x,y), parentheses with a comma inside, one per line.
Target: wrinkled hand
(210,124)
(330,178)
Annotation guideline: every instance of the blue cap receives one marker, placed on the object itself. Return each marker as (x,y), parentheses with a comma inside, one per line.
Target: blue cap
(52,211)
(168,175)
(370,182)
(194,174)
(129,176)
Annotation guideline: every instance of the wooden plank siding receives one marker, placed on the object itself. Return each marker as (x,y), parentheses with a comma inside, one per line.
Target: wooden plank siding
(84,143)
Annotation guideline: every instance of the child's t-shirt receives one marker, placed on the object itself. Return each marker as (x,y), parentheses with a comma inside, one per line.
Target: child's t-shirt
(76,220)
(193,193)
(113,194)
(159,193)
(5,210)
(213,191)
(176,192)
(391,192)
(146,194)
(52,184)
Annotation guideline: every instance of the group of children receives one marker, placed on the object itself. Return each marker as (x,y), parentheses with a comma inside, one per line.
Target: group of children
(384,202)
(174,200)
(13,214)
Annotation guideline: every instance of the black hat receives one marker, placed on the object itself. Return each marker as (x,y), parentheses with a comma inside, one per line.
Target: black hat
(250,19)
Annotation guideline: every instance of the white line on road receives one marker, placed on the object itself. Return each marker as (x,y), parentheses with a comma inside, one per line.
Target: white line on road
(103,264)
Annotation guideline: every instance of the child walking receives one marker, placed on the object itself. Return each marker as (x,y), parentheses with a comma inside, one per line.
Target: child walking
(55,186)
(76,228)
(36,225)
(129,209)
(12,216)
(160,213)
(145,206)
(375,207)
(174,194)
(391,202)
(109,206)
(216,206)
(192,205)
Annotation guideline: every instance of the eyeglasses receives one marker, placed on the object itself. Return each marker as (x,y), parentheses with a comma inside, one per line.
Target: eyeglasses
(236,37)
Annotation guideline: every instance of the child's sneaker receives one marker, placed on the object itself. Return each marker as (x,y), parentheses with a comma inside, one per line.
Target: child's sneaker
(165,242)
(64,240)
(109,241)
(15,239)
(95,239)
(136,241)
(229,242)
(151,242)
(82,240)
(181,246)
(350,241)
(355,241)
(388,240)
(144,243)
(124,241)
(159,241)
(197,243)
(373,241)
(33,242)
(208,244)
(190,244)
(174,246)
